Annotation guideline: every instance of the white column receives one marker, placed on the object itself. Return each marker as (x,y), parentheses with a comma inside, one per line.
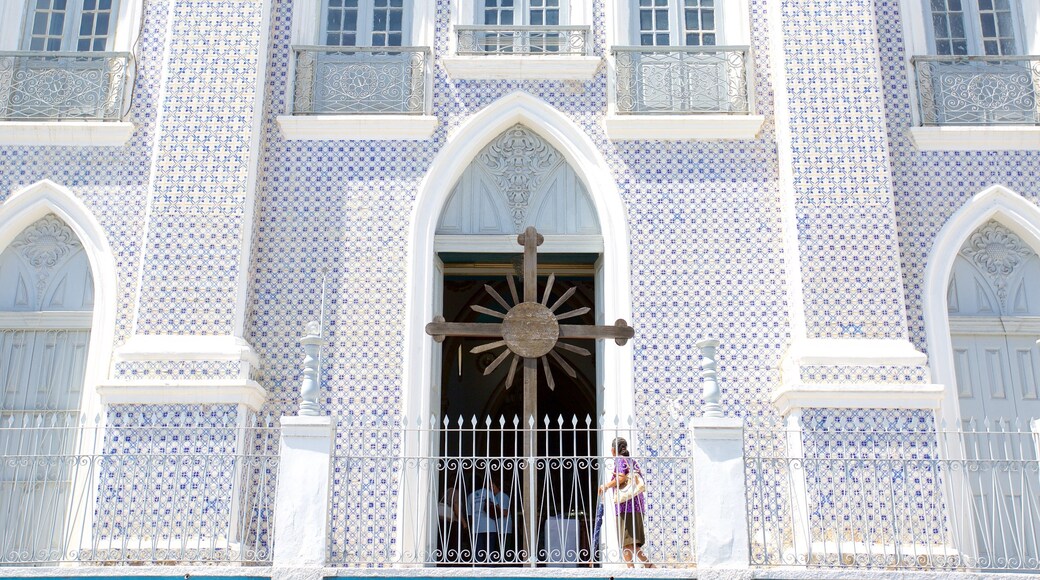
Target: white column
(718,486)
(302,502)
(1034,426)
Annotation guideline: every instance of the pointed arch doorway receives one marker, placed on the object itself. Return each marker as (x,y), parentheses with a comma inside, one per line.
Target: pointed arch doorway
(516,180)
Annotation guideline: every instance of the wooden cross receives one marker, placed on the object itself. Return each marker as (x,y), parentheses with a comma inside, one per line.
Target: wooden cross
(530,330)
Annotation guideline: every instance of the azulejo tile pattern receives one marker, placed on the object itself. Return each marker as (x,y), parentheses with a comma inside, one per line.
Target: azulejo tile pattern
(847,238)
(111,181)
(201,167)
(704,219)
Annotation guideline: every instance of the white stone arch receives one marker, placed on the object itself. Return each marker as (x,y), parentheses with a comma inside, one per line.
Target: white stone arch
(27,205)
(462,146)
(997,203)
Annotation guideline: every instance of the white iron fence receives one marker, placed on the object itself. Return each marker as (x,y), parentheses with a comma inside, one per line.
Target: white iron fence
(960,500)
(682,80)
(474,495)
(54,86)
(75,492)
(351,80)
(978,90)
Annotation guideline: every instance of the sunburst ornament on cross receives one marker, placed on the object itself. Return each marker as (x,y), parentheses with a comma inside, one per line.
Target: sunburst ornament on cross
(530,329)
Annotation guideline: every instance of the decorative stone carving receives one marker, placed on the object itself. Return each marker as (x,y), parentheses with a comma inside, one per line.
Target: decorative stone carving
(519,160)
(997,252)
(44,246)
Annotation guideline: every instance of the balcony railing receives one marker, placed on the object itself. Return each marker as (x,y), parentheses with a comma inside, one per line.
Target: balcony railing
(978,90)
(951,501)
(551,519)
(682,80)
(49,86)
(74,493)
(360,80)
(540,40)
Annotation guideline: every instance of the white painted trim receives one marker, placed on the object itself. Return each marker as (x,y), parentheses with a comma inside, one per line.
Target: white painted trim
(999,203)
(66,133)
(252,185)
(506,244)
(785,174)
(524,67)
(72,319)
(127,26)
(187,347)
(794,397)
(996,325)
(12,15)
(186,392)
(348,127)
(31,203)
(156,157)
(671,127)
(462,145)
(854,351)
(978,138)
(917,42)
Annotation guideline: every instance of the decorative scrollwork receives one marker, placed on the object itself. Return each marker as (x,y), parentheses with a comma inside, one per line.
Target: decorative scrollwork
(63,85)
(360,80)
(710,79)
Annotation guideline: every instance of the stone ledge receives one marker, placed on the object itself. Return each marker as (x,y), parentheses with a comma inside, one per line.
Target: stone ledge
(675,127)
(790,398)
(522,67)
(1012,138)
(184,392)
(66,133)
(356,127)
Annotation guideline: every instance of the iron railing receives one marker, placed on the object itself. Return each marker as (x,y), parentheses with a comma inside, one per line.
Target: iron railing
(550,496)
(952,500)
(978,90)
(56,86)
(682,80)
(360,80)
(82,493)
(540,40)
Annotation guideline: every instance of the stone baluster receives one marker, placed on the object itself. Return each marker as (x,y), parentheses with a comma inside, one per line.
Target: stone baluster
(311,385)
(709,377)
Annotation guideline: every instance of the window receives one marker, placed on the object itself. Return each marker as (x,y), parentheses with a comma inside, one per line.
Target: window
(521,12)
(69,25)
(364,23)
(973,27)
(676,22)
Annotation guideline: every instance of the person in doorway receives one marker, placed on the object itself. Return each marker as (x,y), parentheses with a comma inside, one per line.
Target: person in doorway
(629,513)
(486,509)
(454,528)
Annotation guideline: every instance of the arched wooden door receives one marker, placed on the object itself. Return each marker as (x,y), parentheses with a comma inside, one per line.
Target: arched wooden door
(993,300)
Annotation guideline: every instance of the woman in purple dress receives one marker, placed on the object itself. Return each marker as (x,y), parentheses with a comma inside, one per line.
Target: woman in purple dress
(629,513)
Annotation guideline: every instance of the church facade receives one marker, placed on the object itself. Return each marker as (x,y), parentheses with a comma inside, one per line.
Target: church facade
(206,203)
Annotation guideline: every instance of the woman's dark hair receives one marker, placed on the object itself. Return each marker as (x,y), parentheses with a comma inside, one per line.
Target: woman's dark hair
(620,446)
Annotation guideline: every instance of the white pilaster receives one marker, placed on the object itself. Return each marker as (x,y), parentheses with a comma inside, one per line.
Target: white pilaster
(302,501)
(718,486)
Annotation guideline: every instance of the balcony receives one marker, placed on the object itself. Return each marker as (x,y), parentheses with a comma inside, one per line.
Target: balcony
(696,92)
(349,92)
(977,102)
(140,494)
(523,52)
(83,92)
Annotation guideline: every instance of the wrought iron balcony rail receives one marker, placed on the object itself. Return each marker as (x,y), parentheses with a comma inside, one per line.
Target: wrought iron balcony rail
(56,86)
(945,501)
(540,40)
(90,495)
(682,80)
(360,80)
(978,90)
(550,521)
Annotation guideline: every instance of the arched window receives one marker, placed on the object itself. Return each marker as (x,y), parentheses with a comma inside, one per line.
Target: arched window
(46,304)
